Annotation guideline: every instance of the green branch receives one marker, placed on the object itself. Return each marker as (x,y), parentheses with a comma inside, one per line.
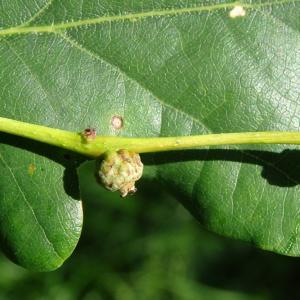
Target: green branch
(94,147)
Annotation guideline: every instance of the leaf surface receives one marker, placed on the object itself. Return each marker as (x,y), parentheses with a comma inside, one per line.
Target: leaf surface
(168,68)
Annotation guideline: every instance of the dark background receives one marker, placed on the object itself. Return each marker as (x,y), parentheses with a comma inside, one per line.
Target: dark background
(148,246)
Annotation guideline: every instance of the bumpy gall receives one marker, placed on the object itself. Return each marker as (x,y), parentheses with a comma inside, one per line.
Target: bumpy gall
(120,170)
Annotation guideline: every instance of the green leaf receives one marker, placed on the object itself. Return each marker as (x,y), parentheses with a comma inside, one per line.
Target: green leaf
(168,68)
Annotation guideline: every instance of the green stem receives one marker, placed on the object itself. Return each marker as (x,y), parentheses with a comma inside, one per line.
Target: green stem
(74,141)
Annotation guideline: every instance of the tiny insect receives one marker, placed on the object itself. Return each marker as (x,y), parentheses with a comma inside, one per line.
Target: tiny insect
(89,133)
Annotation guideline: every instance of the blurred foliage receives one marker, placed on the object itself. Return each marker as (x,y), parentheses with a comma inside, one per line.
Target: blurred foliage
(148,247)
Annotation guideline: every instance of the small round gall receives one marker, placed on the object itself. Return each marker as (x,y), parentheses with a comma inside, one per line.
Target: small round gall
(120,170)
(237,11)
(117,122)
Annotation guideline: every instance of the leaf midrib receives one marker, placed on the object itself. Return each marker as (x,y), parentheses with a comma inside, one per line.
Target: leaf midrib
(24,29)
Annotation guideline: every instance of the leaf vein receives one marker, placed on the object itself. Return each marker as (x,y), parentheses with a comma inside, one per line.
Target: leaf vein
(36,15)
(136,16)
(162,102)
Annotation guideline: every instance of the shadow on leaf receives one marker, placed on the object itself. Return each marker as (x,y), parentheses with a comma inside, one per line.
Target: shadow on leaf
(67,159)
(280,169)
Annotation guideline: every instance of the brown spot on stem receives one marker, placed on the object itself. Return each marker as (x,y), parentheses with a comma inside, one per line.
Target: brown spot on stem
(89,133)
